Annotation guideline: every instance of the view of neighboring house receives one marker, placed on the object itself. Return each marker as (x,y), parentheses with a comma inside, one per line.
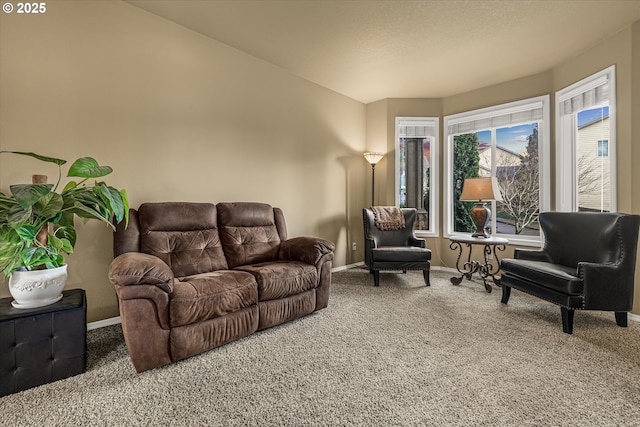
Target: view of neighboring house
(507,161)
(594,165)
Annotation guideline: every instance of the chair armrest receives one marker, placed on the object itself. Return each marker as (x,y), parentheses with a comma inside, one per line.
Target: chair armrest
(305,249)
(607,286)
(414,241)
(370,242)
(136,268)
(532,255)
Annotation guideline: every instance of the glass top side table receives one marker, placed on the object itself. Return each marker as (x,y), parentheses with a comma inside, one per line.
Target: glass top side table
(466,269)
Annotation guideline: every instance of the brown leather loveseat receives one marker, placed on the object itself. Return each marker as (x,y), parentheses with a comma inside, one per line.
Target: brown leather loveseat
(193,276)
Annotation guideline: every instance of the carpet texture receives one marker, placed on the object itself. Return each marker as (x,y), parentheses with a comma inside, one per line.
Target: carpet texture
(399,355)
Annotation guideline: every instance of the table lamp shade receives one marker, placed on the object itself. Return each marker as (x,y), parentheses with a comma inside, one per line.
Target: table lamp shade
(480,190)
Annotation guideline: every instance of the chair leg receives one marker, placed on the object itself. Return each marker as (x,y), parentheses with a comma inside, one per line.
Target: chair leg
(621,318)
(506,293)
(567,319)
(425,274)
(376,277)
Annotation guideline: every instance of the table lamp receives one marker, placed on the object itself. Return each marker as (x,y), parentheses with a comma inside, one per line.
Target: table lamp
(480,190)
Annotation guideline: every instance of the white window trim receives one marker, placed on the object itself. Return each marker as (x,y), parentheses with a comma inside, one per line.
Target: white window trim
(434,199)
(543,153)
(566,170)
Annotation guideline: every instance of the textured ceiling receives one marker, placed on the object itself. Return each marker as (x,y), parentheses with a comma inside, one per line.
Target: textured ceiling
(375,49)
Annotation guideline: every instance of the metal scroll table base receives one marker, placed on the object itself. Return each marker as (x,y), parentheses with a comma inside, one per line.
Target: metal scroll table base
(485,270)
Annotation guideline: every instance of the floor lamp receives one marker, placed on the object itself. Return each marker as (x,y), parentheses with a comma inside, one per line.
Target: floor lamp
(373,158)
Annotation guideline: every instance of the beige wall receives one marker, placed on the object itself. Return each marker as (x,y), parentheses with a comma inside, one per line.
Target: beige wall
(634,142)
(179,117)
(183,117)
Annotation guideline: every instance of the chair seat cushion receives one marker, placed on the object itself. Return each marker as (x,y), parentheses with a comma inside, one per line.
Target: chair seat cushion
(281,279)
(554,276)
(400,254)
(210,295)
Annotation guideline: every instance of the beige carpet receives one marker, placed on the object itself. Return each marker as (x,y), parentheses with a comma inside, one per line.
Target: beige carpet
(401,354)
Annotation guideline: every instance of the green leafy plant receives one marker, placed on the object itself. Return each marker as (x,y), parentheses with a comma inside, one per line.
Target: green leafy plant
(37,221)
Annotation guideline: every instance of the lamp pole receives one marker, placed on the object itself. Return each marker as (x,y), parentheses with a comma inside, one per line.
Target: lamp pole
(373,182)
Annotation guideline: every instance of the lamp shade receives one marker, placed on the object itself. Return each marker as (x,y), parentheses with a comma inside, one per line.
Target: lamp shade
(479,189)
(373,158)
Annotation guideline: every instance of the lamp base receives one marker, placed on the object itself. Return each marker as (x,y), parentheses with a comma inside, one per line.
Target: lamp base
(480,215)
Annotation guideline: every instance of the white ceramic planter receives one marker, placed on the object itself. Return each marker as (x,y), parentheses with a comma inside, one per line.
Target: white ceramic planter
(37,288)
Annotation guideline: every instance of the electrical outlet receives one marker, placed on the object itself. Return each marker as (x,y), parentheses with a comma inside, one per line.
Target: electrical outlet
(354,247)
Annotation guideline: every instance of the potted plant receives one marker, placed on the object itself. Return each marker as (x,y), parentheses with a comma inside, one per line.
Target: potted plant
(37,226)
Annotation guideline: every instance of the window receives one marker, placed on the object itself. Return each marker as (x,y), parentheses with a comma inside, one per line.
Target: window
(603,148)
(417,170)
(509,142)
(585,144)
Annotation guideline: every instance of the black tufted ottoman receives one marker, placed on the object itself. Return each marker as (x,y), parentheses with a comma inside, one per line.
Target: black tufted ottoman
(41,345)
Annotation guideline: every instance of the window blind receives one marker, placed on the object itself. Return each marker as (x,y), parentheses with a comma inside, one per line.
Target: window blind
(416,129)
(510,117)
(593,93)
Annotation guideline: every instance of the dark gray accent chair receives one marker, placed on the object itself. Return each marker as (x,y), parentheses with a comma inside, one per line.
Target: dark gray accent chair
(397,250)
(587,263)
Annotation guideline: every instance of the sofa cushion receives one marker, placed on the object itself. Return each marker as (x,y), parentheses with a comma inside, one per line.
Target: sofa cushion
(183,235)
(277,311)
(210,295)
(280,279)
(248,233)
(553,276)
(189,340)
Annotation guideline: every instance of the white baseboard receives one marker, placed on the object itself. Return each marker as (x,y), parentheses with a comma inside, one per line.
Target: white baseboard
(347,267)
(103,323)
(633,317)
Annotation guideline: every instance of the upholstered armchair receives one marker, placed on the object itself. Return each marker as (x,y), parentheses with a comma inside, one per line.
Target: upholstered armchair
(394,249)
(587,263)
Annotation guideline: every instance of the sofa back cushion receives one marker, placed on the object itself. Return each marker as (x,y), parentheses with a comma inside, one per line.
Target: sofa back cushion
(248,232)
(184,235)
(573,237)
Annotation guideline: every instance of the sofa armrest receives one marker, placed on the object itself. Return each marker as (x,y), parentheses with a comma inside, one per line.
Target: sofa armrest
(305,249)
(136,268)
(532,255)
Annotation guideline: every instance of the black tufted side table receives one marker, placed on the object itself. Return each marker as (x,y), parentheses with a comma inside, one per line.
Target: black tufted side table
(41,345)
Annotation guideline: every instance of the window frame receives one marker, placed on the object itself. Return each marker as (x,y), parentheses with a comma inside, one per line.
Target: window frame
(566,153)
(434,173)
(544,133)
